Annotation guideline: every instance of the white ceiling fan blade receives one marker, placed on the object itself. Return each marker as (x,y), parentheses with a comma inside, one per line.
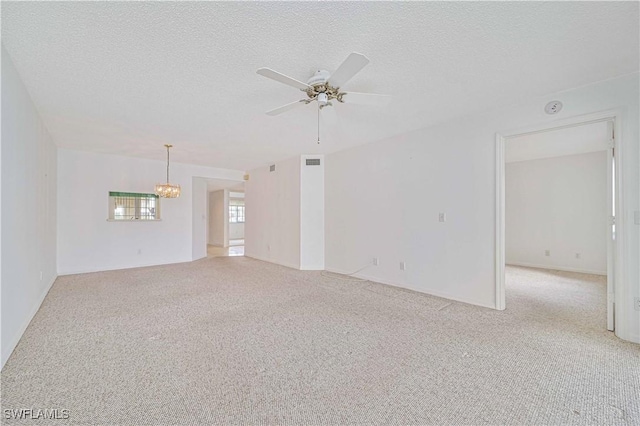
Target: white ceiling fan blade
(350,67)
(274,75)
(373,99)
(285,108)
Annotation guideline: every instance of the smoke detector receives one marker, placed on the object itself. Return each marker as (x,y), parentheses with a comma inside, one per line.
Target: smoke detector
(553,107)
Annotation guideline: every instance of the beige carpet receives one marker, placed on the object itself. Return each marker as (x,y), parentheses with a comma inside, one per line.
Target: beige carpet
(237,341)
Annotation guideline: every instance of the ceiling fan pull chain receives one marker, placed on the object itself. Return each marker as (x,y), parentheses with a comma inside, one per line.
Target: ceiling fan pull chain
(318,124)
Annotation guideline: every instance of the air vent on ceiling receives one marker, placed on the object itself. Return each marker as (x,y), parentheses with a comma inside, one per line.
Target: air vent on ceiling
(272,168)
(313,161)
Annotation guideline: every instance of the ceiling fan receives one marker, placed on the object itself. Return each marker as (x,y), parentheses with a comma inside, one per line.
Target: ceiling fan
(323,87)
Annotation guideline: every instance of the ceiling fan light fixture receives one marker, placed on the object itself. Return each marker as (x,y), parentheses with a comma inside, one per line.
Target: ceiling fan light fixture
(322,99)
(167,190)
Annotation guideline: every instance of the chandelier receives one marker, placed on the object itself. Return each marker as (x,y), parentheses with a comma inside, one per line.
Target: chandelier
(167,190)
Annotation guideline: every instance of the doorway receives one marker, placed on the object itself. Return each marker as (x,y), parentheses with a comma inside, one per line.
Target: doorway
(226,221)
(549,235)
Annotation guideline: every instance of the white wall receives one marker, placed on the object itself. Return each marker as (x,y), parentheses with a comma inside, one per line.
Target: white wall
(311,214)
(199,219)
(236,231)
(383,199)
(558,204)
(272,214)
(88,242)
(218,212)
(29,209)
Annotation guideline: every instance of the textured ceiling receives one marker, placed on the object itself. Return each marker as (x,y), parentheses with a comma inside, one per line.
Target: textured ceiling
(125,78)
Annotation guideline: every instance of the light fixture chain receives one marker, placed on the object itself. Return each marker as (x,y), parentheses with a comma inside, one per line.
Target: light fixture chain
(318,124)
(166,190)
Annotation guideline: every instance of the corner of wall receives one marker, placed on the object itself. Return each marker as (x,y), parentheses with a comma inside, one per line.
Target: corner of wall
(29,162)
(7,349)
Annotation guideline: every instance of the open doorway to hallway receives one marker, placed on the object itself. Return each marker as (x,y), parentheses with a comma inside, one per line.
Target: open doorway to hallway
(213,251)
(226,219)
(559,228)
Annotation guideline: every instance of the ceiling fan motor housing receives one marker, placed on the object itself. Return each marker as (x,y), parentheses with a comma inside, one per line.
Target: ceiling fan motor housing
(320,90)
(320,77)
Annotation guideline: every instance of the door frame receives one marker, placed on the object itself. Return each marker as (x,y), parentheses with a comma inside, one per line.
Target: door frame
(615,115)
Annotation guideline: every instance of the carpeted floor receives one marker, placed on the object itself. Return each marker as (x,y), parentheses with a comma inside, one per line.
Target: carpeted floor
(238,341)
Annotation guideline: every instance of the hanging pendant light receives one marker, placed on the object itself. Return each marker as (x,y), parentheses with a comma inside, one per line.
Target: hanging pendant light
(167,190)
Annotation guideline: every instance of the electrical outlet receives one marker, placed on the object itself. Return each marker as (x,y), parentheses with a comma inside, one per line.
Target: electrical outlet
(547,252)
(636,305)
(40,275)
(375,261)
(403,266)
(139,251)
(578,255)
(442,217)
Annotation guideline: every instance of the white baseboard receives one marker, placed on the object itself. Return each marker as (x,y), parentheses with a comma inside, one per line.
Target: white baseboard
(557,268)
(408,287)
(115,268)
(8,350)
(312,268)
(633,338)
(288,265)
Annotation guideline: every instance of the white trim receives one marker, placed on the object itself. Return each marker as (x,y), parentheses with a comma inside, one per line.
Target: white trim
(442,295)
(134,220)
(632,337)
(288,265)
(311,268)
(566,123)
(620,282)
(610,243)
(500,303)
(558,268)
(117,268)
(8,350)
(617,115)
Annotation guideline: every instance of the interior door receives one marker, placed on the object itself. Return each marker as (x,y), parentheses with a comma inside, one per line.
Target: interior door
(611,227)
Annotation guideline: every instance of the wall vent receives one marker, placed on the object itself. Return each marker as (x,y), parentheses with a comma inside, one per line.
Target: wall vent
(313,161)
(272,168)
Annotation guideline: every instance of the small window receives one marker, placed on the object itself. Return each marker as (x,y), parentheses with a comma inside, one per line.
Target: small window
(236,211)
(133,206)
